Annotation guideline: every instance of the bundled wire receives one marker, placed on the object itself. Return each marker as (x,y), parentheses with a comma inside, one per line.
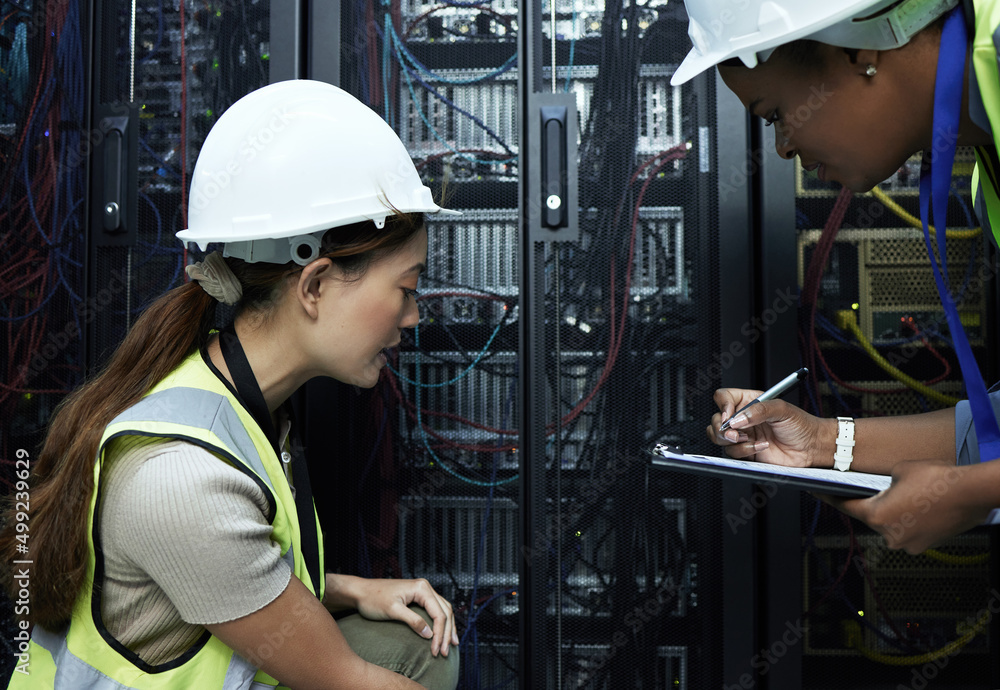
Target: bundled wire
(41,194)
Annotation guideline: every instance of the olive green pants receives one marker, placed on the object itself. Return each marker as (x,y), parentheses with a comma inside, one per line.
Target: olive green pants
(394,645)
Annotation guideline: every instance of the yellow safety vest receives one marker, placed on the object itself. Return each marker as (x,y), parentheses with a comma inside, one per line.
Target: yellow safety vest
(986,177)
(191,404)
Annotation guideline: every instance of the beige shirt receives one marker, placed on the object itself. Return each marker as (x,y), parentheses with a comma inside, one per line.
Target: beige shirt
(186,543)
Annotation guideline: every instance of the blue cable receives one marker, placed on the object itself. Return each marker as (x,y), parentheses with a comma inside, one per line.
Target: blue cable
(33,311)
(474,612)
(427,445)
(471,628)
(402,50)
(156,216)
(841,596)
(157,249)
(44,106)
(490,600)
(834,390)
(166,167)
(420,111)
(365,87)
(430,127)
(460,376)
(965,206)
(159,34)
(386,39)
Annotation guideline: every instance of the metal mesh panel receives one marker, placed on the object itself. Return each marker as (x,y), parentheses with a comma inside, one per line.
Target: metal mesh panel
(631,320)
(886,397)
(884,275)
(637,312)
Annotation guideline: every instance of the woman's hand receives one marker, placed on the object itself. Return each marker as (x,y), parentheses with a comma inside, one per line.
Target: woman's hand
(388,599)
(927,502)
(771,431)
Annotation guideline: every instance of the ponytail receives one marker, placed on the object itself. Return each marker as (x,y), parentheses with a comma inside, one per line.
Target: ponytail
(62,480)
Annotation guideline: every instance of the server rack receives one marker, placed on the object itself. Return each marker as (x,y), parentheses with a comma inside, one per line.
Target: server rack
(548,358)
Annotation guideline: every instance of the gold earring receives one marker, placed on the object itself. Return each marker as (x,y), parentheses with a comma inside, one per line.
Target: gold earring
(871,70)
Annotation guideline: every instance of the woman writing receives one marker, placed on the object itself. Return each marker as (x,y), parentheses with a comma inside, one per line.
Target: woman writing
(854,88)
(174,540)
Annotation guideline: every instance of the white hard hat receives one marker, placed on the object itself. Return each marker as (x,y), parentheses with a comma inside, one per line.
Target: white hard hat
(291,160)
(752,29)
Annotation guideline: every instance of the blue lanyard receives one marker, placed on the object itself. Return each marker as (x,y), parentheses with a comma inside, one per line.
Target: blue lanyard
(935,180)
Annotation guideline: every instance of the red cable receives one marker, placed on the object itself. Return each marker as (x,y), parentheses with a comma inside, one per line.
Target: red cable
(618,331)
(910,323)
(411,413)
(811,283)
(843,571)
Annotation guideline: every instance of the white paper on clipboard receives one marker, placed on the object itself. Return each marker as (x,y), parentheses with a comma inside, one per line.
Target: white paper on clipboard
(834,482)
(805,478)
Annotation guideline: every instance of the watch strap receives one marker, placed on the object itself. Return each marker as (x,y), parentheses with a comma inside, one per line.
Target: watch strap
(845,444)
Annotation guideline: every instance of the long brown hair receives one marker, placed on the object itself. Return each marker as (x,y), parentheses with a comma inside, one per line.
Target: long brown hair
(174,326)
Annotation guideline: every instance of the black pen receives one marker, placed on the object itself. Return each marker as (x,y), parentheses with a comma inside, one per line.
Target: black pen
(772,392)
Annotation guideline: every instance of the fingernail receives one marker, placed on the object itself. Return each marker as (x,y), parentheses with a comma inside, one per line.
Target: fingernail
(426,632)
(454,639)
(761,445)
(738,420)
(732,435)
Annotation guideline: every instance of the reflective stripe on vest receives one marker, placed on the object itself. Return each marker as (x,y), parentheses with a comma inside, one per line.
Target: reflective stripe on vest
(188,408)
(74,672)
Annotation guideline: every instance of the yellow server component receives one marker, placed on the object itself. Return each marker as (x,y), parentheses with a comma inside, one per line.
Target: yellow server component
(895,281)
(922,594)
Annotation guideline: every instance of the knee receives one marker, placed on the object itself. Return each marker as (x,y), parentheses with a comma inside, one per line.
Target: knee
(435,672)
(438,672)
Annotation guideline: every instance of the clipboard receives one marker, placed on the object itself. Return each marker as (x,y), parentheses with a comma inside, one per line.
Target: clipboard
(834,482)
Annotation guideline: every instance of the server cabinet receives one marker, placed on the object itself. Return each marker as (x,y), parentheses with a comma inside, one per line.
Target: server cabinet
(630,308)
(557,344)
